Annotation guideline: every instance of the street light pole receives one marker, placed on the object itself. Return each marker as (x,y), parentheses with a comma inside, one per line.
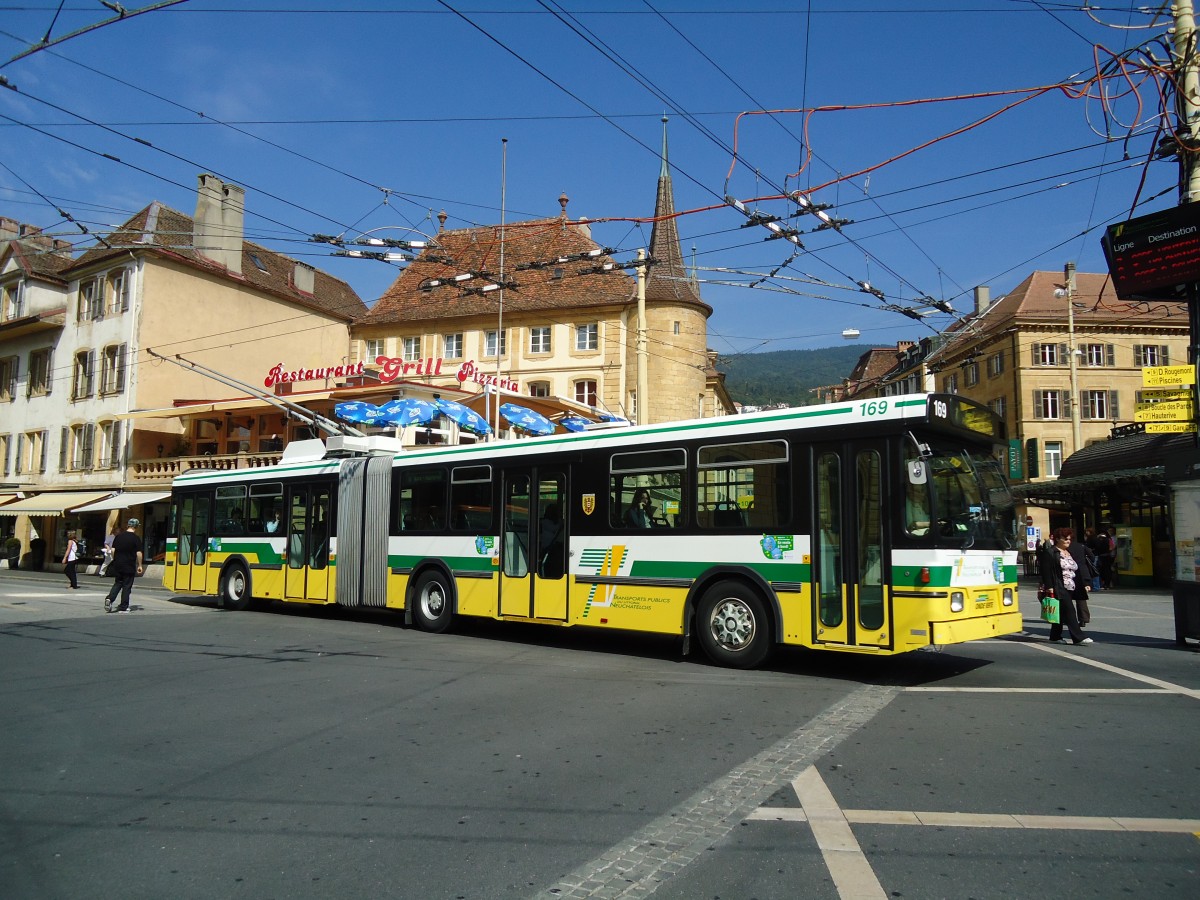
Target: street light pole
(1069,272)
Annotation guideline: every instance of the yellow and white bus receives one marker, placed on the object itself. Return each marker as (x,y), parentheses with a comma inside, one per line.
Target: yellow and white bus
(876,526)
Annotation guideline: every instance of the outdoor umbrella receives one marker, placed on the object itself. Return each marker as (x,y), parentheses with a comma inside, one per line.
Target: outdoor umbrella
(526,419)
(463,417)
(407,411)
(574,423)
(358,411)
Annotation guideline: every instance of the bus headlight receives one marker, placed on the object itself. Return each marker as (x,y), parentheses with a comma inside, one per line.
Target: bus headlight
(957,601)
(1008,597)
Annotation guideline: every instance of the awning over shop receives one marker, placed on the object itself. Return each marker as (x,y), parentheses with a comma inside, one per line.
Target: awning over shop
(123,501)
(52,504)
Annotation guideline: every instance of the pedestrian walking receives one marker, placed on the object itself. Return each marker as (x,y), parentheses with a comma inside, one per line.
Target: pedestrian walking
(1058,570)
(69,557)
(1085,576)
(125,567)
(1103,546)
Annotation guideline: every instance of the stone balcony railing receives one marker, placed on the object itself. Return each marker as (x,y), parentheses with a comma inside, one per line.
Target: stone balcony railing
(162,470)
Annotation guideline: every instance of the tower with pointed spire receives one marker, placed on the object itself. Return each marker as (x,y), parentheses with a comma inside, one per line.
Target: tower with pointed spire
(677,319)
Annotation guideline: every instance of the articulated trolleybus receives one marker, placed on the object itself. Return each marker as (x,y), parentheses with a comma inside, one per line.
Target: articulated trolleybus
(877,526)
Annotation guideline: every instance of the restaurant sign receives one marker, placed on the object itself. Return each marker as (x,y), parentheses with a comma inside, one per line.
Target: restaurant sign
(391,368)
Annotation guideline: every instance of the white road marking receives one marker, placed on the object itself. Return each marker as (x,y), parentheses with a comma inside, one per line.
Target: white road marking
(1116,670)
(987,820)
(852,874)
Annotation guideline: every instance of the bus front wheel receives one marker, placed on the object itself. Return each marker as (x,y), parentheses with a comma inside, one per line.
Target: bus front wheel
(432,608)
(235,587)
(731,621)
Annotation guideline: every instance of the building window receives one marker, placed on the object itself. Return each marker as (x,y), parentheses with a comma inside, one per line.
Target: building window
(539,339)
(950,384)
(1150,355)
(1097,354)
(83,383)
(1049,354)
(91,299)
(1047,404)
(77,448)
(539,389)
(8,378)
(13,301)
(971,373)
(39,373)
(675,326)
(118,290)
(112,369)
(452,345)
(587,337)
(31,453)
(633,410)
(999,406)
(1099,405)
(1054,458)
(489,343)
(376,348)
(996,364)
(585,392)
(411,349)
(110,446)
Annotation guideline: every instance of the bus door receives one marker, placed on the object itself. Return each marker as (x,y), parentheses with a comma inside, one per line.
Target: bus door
(306,567)
(191,542)
(533,552)
(849,552)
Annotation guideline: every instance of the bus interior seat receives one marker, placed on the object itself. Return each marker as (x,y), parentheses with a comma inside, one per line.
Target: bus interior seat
(726,515)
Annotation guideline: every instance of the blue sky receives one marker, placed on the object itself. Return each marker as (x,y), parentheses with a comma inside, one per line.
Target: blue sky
(364,116)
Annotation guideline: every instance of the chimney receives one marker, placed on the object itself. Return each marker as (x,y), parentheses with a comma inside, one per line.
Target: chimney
(983,298)
(303,277)
(219,220)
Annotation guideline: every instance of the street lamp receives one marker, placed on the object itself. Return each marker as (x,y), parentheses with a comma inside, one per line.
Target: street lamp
(1068,291)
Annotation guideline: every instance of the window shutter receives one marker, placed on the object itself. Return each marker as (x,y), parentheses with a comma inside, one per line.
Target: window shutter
(89,446)
(120,379)
(45,449)
(63,447)
(20,461)
(1038,409)
(126,289)
(115,450)
(1109,358)
(1139,358)
(1063,359)
(1164,351)
(1085,408)
(1114,407)
(1036,350)
(49,372)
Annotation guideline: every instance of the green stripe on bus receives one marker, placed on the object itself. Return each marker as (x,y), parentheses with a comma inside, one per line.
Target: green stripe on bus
(652,568)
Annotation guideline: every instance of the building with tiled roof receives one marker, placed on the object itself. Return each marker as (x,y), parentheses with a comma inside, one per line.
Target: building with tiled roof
(77,375)
(1014,355)
(539,307)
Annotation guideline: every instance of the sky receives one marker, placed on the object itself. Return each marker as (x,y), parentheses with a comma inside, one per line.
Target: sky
(965,142)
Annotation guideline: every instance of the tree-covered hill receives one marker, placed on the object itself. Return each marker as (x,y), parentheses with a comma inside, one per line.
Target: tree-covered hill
(787,376)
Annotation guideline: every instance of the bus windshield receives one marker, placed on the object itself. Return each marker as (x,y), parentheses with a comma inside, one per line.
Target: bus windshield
(963,500)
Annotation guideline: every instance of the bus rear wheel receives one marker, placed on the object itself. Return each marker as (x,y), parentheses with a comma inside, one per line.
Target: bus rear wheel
(432,606)
(731,620)
(235,587)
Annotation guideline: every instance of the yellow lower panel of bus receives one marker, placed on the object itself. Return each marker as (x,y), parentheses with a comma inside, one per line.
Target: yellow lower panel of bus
(975,629)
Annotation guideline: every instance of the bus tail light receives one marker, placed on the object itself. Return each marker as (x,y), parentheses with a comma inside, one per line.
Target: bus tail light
(924,577)
(957,601)
(1008,597)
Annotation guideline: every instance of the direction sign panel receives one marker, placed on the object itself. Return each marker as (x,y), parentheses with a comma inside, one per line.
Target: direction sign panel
(1167,411)
(1157,394)
(1152,252)
(1170,427)
(1161,376)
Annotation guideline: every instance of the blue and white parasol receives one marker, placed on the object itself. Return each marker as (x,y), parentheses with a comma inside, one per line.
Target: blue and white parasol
(407,411)
(526,419)
(574,423)
(358,411)
(463,417)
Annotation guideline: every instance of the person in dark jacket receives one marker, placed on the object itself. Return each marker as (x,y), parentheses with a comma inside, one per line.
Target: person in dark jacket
(1085,575)
(1058,570)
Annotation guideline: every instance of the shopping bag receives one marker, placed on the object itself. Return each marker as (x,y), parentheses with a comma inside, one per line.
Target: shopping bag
(1050,608)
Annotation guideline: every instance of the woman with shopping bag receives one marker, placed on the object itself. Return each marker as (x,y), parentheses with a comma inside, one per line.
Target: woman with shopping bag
(1058,571)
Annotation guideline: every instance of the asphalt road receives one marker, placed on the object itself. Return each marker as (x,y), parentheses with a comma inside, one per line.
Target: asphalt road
(184,751)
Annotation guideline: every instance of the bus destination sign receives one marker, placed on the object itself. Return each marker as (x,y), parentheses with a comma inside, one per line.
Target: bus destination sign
(1152,254)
